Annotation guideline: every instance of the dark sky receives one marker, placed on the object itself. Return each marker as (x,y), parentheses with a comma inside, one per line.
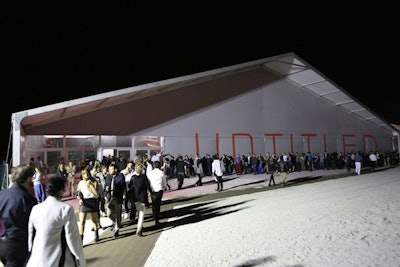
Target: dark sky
(51,54)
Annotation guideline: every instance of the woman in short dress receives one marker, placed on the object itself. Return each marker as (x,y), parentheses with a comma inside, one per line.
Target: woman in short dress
(88,195)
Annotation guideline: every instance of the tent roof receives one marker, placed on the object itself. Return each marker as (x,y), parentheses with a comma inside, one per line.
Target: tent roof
(301,73)
(47,119)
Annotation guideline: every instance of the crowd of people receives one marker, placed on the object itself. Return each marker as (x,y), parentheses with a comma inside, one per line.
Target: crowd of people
(49,234)
(117,187)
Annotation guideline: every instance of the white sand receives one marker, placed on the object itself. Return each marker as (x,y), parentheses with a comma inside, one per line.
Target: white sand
(352,221)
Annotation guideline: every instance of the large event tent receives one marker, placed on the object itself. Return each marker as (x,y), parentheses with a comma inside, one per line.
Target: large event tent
(276,104)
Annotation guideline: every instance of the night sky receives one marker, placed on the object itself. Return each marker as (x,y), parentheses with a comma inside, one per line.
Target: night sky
(55,53)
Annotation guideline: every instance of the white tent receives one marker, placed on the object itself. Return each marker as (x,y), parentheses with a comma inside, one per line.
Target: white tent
(210,102)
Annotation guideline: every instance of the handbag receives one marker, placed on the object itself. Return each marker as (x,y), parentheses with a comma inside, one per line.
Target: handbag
(111,204)
(91,203)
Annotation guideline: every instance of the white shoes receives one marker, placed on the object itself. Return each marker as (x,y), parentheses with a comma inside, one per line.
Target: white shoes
(126,215)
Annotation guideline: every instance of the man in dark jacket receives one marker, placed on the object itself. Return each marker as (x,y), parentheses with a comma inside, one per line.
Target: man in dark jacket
(115,190)
(271,169)
(180,169)
(141,187)
(16,204)
(172,167)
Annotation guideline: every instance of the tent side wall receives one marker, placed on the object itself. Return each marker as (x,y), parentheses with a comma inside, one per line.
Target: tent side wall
(277,117)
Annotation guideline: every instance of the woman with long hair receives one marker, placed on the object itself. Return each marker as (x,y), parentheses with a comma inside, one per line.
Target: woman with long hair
(38,186)
(88,196)
(71,169)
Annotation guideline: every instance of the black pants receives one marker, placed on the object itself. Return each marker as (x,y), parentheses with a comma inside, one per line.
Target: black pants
(374,165)
(102,203)
(156,198)
(271,178)
(171,172)
(220,183)
(13,253)
(199,181)
(129,205)
(181,177)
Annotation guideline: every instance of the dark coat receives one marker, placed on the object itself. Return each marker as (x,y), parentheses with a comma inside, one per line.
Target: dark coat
(283,167)
(180,166)
(140,185)
(119,186)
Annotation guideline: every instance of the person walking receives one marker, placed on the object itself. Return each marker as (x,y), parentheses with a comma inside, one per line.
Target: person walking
(172,167)
(101,178)
(180,169)
(271,169)
(115,189)
(140,186)
(88,197)
(16,204)
(53,231)
(198,170)
(165,168)
(217,173)
(129,205)
(158,183)
(38,186)
(357,163)
(100,201)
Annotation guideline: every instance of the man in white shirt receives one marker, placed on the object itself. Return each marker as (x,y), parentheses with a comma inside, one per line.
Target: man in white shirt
(156,157)
(158,183)
(217,173)
(374,160)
